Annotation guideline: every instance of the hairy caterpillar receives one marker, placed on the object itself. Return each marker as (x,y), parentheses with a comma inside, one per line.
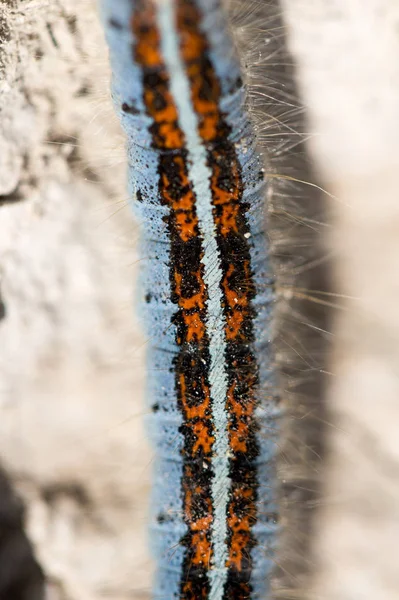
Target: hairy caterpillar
(198,190)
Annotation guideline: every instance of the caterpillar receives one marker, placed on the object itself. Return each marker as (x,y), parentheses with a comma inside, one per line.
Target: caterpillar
(198,187)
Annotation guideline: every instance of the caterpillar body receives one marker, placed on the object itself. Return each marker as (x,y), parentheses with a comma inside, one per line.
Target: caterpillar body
(198,191)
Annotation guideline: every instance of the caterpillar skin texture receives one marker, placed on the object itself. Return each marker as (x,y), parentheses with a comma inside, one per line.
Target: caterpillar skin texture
(198,189)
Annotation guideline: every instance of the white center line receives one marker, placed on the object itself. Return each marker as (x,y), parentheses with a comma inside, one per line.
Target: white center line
(200,176)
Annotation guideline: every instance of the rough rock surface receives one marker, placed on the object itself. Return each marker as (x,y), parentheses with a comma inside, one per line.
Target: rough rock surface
(348,74)
(71,357)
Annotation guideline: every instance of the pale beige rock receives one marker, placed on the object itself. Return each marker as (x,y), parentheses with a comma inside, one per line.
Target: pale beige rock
(71,358)
(348,74)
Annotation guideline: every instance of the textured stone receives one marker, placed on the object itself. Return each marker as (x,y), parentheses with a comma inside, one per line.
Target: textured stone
(71,358)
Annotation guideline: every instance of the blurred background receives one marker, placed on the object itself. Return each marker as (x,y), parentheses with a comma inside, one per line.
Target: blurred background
(71,355)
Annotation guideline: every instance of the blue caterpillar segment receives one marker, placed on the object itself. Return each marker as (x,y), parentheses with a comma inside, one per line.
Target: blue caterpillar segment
(198,191)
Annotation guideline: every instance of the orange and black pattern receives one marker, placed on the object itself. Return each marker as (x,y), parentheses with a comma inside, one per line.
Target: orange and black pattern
(151,111)
(238,291)
(189,293)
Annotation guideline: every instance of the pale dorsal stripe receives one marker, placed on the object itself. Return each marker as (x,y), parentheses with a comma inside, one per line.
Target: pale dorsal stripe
(200,175)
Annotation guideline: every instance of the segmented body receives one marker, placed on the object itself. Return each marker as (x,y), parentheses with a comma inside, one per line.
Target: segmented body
(198,189)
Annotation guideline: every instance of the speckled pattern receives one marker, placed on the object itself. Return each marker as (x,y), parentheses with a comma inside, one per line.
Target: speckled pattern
(198,189)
